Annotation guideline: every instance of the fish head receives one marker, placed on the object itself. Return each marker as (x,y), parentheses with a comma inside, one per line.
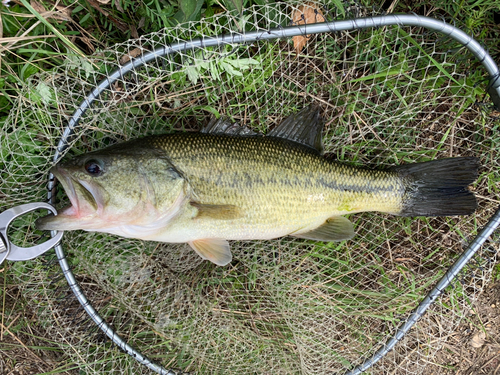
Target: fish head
(114,188)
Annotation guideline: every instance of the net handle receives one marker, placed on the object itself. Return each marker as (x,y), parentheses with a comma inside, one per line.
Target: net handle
(241,38)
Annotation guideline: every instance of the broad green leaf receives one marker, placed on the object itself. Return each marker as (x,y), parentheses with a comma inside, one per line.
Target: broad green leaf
(41,93)
(75,61)
(243,63)
(193,74)
(189,10)
(230,70)
(235,4)
(214,71)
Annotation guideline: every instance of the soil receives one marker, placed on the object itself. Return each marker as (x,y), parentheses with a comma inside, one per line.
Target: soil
(475,346)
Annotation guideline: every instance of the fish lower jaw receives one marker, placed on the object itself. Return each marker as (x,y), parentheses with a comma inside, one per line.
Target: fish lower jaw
(62,223)
(79,212)
(69,211)
(69,218)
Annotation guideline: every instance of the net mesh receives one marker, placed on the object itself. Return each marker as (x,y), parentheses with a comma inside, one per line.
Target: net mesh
(389,95)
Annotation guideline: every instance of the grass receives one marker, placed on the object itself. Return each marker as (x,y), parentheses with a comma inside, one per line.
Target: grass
(271,305)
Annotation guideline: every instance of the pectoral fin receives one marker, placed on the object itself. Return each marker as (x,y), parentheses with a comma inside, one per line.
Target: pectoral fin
(336,228)
(213,249)
(217,211)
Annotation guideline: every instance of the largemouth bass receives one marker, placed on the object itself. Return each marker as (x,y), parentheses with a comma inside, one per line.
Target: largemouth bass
(227,183)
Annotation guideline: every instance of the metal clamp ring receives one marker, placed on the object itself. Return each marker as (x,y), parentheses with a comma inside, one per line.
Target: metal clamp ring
(16,253)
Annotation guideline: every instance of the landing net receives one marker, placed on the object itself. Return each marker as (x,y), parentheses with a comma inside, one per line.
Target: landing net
(389,95)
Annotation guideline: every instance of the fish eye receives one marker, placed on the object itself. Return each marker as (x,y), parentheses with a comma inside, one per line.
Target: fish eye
(94,167)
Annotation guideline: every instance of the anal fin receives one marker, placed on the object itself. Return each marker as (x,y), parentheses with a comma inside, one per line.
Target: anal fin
(215,250)
(336,228)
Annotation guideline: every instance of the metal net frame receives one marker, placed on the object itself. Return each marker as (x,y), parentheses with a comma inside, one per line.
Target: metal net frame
(115,88)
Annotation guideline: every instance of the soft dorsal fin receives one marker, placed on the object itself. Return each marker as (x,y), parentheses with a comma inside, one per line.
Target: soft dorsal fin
(215,250)
(336,228)
(304,127)
(224,126)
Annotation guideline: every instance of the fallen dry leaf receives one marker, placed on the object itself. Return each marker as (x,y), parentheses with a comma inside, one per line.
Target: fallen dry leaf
(133,32)
(66,10)
(478,339)
(37,6)
(304,15)
(63,13)
(118,7)
(132,54)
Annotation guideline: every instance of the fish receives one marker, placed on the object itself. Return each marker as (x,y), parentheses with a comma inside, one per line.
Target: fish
(227,182)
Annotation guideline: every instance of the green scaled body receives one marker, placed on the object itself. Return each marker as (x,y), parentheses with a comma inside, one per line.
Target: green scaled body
(227,183)
(277,187)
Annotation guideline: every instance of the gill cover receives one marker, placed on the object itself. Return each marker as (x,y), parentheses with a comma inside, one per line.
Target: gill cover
(118,186)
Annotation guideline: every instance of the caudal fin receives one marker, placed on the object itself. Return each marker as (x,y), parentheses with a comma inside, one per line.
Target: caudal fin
(439,187)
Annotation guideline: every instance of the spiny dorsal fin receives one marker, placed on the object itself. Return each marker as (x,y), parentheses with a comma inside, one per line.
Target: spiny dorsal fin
(217,211)
(215,250)
(336,228)
(224,126)
(304,127)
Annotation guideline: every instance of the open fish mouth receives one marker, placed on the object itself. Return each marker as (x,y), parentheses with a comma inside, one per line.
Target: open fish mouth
(83,201)
(84,204)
